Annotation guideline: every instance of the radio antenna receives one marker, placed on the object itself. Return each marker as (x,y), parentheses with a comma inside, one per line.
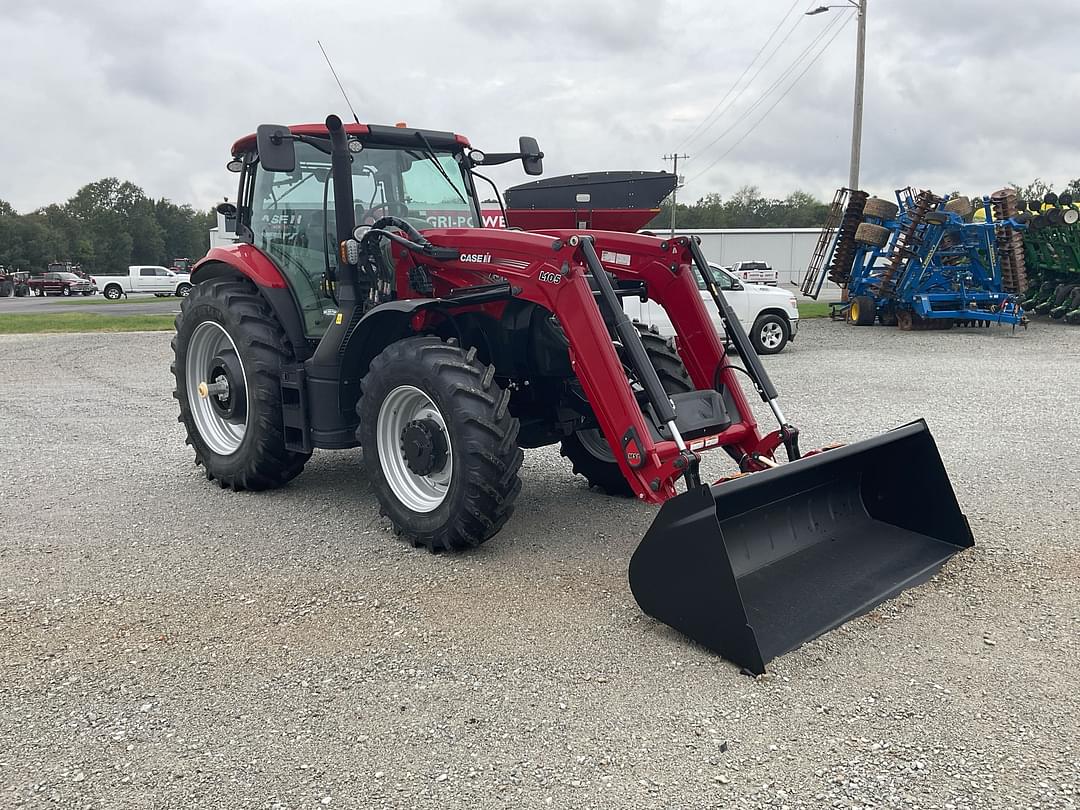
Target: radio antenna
(336,79)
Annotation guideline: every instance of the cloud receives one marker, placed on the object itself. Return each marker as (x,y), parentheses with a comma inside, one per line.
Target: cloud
(958,96)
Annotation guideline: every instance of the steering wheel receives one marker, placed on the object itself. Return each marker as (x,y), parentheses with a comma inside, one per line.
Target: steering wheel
(383,209)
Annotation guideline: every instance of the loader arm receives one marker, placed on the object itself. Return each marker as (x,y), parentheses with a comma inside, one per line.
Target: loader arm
(549,269)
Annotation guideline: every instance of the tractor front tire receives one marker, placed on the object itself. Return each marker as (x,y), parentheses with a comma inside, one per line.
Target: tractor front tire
(589,452)
(440,445)
(227,331)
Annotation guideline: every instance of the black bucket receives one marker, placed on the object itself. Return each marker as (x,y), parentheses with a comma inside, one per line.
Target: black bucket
(754,567)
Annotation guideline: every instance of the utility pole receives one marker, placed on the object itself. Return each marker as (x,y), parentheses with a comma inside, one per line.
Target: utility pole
(856,116)
(676,157)
(860,62)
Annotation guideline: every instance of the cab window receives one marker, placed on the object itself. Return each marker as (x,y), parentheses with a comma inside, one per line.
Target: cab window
(723,280)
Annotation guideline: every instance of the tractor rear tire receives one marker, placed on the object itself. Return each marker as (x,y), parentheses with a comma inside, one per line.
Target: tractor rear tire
(589,452)
(878,208)
(440,445)
(231,313)
(870,234)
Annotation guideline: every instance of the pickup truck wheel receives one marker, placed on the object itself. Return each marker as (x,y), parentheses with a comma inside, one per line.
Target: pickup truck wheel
(183,290)
(229,351)
(113,292)
(66,292)
(589,452)
(770,334)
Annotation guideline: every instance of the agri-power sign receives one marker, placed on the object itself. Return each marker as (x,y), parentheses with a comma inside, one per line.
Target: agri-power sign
(493,218)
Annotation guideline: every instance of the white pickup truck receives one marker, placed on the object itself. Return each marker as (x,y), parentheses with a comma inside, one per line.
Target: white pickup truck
(770,315)
(144,278)
(757,272)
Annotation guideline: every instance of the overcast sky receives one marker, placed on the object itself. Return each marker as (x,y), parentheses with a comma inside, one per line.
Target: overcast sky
(959,95)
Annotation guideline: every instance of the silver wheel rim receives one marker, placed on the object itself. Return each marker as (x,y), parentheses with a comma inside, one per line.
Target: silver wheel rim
(419,493)
(220,435)
(772,334)
(593,440)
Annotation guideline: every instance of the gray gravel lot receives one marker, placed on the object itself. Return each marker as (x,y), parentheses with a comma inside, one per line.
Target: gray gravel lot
(166,644)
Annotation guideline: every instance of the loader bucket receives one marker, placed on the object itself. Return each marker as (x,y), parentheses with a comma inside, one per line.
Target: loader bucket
(754,567)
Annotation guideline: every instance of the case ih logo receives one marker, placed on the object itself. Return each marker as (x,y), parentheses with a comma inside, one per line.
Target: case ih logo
(479,258)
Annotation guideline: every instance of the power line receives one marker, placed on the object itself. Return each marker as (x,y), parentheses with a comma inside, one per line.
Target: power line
(689,138)
(753,78)
(754,126)
(837,23)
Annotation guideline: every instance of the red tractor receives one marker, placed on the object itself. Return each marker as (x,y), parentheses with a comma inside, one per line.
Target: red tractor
(342,319)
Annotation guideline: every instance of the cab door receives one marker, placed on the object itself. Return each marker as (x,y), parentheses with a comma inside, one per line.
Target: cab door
(146,280)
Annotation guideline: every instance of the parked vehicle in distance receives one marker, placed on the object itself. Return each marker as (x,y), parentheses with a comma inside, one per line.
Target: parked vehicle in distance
(60,284)
(144,278)
(13,282)
(769,315)
(756,272)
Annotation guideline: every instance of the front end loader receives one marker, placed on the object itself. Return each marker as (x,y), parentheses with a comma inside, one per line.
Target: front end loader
(343,318)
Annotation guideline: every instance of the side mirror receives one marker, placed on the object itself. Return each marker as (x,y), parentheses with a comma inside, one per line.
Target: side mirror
(226,217)
(736,285)
(277,150)
(532,159)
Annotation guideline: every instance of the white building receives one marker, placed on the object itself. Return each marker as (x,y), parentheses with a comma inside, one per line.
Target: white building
(786,250)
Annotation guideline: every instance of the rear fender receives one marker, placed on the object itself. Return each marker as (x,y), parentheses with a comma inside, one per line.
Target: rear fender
(245,261)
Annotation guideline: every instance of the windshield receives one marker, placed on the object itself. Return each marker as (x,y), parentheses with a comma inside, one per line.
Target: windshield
(292,214)
(68,277)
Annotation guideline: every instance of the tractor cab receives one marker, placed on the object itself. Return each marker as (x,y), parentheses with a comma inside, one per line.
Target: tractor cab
(288,205)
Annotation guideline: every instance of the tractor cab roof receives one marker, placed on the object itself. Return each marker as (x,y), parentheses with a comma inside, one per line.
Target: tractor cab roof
(371,134)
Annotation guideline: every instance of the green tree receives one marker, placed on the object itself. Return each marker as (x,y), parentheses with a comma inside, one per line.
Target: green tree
(1035,190)
(106,225)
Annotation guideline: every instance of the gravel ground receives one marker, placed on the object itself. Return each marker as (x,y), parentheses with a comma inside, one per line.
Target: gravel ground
(167,644)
